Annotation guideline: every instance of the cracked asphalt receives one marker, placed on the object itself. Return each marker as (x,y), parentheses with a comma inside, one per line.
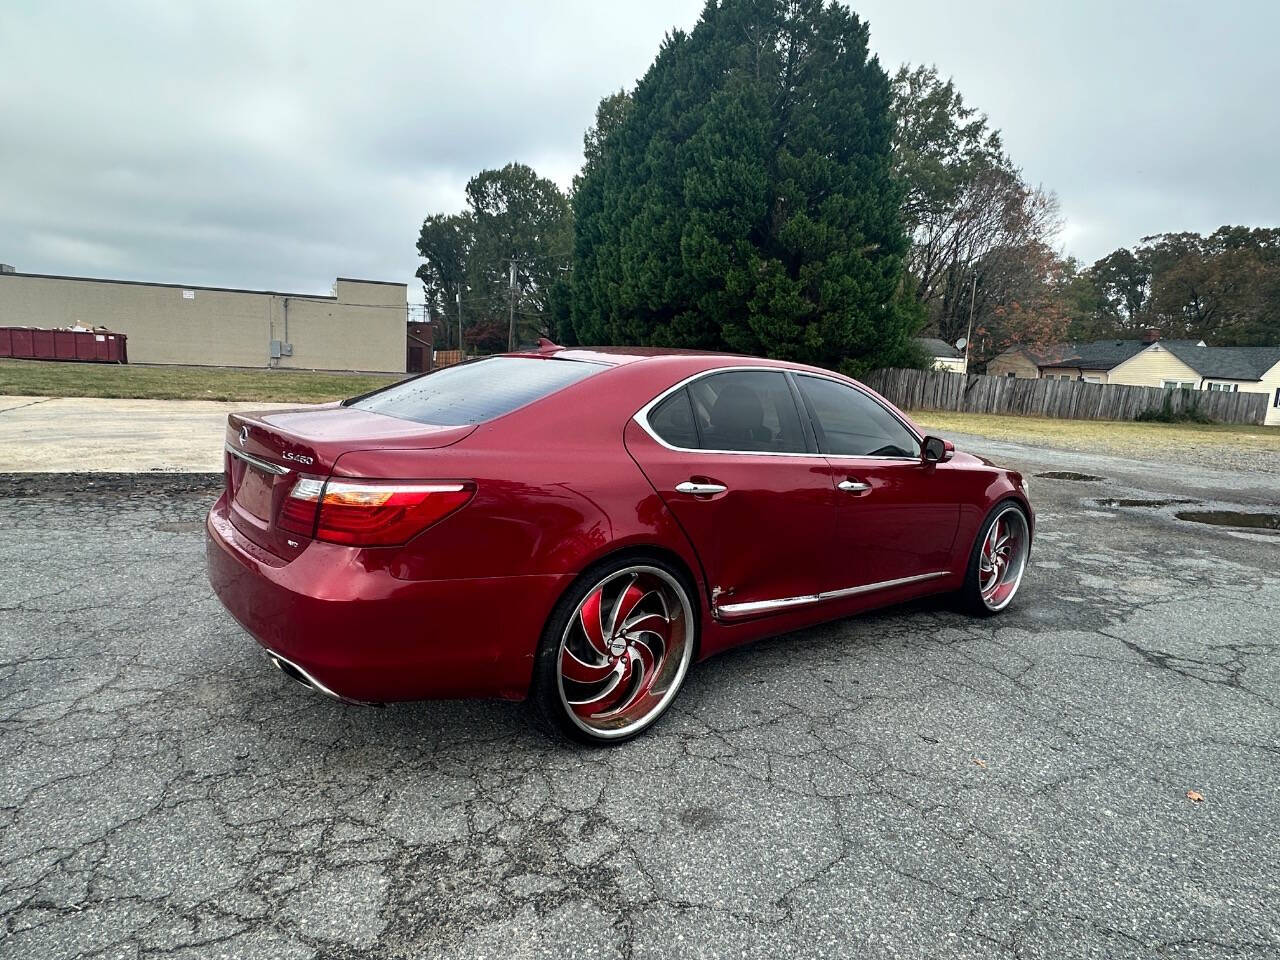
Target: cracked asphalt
(909,783)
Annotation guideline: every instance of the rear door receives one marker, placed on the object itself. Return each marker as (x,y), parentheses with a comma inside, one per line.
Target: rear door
(735,462)
(897,516)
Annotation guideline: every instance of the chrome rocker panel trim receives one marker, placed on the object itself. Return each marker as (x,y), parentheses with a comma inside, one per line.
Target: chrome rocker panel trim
(733,611)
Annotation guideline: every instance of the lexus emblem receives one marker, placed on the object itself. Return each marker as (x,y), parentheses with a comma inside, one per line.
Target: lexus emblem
(244,436)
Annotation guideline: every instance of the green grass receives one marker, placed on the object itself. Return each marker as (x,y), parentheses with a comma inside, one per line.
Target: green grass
(44,378)
(1120,437)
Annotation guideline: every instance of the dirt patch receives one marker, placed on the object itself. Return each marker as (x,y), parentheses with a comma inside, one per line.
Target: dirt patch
(1232,518)
(1069,475)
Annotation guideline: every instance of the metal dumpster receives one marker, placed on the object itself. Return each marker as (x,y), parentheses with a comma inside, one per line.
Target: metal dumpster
(89,346)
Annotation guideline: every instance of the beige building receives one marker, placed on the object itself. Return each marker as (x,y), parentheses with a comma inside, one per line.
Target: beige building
(1015,362)
(359,326)
(1152,362)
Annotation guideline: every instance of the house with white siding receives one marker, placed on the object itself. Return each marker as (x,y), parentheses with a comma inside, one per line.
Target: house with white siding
(944,355)
(1153,362)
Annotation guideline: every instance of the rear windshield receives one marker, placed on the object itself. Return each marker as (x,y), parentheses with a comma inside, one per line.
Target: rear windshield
(477,391)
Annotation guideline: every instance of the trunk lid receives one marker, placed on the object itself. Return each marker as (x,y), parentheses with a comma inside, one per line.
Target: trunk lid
(267,452)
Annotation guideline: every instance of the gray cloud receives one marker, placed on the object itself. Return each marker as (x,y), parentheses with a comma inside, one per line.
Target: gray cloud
(281,144)
(1145,116)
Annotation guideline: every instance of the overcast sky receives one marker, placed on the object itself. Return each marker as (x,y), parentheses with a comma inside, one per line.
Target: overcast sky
(278,145)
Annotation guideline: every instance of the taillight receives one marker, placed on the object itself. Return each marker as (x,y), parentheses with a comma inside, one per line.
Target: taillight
(299,510)
(369,513)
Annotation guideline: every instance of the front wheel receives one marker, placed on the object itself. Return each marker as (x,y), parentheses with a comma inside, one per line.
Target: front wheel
(998,560)
(615,651)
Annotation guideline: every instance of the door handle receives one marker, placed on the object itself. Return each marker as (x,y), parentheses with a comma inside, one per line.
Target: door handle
(853,486)
(700,489)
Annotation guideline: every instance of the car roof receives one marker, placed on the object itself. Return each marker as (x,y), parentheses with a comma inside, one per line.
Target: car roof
(692,361)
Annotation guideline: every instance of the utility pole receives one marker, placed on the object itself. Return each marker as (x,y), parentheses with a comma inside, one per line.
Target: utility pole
(973,296)
(511,322)
(459,298)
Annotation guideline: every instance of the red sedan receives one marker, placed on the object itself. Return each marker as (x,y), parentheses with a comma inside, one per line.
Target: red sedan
(578,526)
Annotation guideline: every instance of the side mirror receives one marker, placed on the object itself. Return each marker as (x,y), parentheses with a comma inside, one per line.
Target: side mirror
(936,450)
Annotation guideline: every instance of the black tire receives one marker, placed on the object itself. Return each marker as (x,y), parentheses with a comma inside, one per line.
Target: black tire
(972,598)
(549,694)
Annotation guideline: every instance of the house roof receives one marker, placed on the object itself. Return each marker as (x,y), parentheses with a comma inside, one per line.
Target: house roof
(935,347)
(1225,363)
(1097,354)
(1220,363)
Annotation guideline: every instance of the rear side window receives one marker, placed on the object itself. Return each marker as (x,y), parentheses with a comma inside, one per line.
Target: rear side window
(749,411)
(672,420)
(852,424)
(478,391)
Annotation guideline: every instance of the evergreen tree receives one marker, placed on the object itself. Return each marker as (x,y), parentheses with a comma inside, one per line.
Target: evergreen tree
(743,197)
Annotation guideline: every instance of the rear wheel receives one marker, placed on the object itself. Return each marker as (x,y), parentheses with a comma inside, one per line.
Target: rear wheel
(615,651)
(998,560)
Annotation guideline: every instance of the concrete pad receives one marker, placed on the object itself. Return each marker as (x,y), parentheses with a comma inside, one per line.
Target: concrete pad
(83,434)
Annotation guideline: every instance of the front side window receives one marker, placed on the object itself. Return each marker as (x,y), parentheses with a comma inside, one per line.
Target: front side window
(477,391)
(749,411)
(852,424)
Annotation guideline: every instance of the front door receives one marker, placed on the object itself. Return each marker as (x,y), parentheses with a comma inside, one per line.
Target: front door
(898,516)
(734,461)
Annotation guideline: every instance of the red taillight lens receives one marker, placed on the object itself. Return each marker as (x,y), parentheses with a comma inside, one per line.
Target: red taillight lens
(369,513)
(299,510)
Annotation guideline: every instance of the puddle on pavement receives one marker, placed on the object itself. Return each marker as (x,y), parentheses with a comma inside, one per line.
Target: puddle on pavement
(1122,502)
(1068,475)
(1232,518)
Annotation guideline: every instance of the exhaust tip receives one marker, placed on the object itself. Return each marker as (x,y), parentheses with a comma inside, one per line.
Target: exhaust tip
(298,675)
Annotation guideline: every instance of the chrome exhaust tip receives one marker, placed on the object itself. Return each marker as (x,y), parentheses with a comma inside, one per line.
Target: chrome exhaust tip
(298,675)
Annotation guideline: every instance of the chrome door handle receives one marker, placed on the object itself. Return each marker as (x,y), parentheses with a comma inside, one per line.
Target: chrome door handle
(703,489)
(853,486)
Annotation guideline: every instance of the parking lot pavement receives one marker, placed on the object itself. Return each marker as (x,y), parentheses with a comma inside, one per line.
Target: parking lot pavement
(909,783)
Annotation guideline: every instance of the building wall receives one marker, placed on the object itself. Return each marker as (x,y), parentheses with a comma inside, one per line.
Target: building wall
(1071,373)
(1015,362)
(949,364)
(360,327)
(1152,367)
(1269,385)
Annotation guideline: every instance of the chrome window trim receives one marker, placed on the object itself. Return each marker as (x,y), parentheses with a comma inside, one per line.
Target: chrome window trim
(732,611)
(272,468)
(642,417)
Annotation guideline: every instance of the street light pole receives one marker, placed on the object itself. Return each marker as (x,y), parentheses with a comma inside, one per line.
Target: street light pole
(973,296)
(511,322)
(459,298)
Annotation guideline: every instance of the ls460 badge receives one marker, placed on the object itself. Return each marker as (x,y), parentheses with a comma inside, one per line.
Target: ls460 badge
(298,458)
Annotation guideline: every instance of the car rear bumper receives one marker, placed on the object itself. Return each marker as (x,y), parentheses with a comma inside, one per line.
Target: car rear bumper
(341,618)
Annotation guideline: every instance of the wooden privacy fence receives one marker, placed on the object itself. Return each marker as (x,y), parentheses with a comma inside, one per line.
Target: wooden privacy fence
(1060,399)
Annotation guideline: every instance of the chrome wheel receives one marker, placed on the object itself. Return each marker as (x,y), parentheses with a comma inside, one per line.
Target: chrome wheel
(1004,557)
(625,651)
